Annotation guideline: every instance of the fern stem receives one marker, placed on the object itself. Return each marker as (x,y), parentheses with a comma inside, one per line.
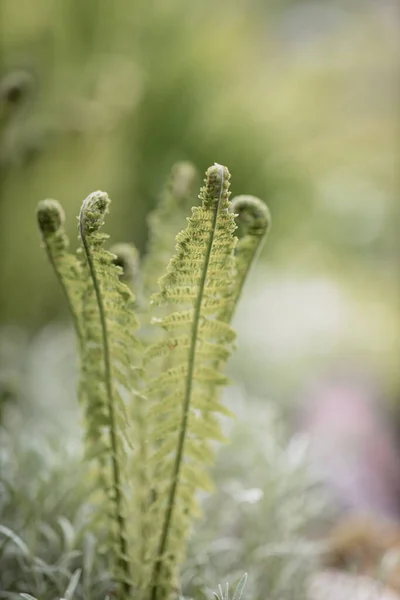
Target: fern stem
(116,475)
(50,216)
(186,403)
(64,288)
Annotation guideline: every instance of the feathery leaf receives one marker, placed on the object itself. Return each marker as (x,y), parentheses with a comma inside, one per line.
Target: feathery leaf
(109,377)
(197,279)
(254,221)
(51,218)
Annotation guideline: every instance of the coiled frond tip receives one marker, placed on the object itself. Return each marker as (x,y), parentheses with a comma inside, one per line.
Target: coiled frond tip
(93,211)
(50,216)
(216,185)
(252,214)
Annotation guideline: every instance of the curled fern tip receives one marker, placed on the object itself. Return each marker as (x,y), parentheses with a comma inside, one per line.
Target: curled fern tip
(93,211)
(216,185)
(50,216)
(252,214)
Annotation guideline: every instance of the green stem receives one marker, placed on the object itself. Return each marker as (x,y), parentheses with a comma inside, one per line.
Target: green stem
(240,283)
(71,307)
(186,406)
(116,475)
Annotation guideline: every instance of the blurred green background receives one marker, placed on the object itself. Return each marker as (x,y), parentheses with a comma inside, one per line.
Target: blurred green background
(299,99)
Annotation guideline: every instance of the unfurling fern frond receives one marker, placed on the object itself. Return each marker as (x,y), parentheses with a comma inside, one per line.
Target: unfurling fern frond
(165,221)
(254,220)
(50,216)
(109,377)
(195,292)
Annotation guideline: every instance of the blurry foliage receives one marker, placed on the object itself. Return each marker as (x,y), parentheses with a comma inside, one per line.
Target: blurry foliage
(258,519)
(113,93)
(256,522)
(122,91)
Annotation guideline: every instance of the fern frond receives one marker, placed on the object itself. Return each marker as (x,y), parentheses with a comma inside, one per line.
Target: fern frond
(197,280)
(109,377)
(254,220)
(51,218)
(165,221)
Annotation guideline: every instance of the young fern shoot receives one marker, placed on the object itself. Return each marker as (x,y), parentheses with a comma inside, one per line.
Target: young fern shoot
(51,218)
(197,279)
(151,431)
(101,307)
(108,372)
(254,220)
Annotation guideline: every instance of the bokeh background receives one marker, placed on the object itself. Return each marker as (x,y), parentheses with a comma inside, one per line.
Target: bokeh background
(300,100)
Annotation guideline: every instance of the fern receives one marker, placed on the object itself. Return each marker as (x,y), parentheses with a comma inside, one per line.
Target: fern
(254,220)
(51,218)
(151,434)
(108,374)
(197,279)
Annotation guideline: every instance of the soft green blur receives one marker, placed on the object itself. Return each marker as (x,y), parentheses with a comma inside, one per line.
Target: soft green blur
(297,99)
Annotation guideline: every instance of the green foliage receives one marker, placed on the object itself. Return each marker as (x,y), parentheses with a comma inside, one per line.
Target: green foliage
(51,218)
(197,280)
(223,594)
(259,517)
(152,406)
(55,531)
(254,522)
(108,370)
(254,220)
